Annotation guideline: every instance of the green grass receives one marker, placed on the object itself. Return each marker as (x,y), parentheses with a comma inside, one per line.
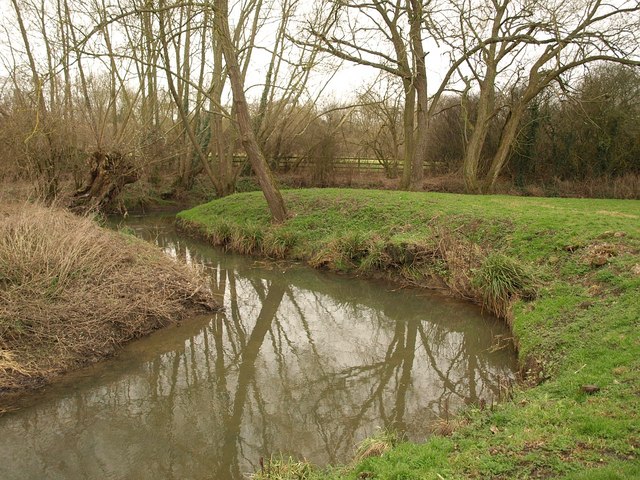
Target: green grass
(499,278)
(565,273)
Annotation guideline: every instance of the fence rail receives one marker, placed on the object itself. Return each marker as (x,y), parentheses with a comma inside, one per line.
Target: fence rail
(359,164)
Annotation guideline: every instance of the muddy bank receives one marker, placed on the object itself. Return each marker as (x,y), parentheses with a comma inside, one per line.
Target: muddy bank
(71,293)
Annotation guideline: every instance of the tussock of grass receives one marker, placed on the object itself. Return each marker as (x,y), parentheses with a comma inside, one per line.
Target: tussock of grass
(277,244)
(345,253)
(445,427)
(565,272)
(501,280)
(71,293)
(376,445)
(284,468)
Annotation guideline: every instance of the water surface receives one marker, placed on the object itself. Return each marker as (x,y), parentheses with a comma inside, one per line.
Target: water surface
(301,362)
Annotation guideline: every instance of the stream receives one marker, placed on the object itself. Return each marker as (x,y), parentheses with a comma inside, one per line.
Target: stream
(300,362)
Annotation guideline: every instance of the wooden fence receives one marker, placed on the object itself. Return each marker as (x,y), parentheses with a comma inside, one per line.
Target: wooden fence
(354,164)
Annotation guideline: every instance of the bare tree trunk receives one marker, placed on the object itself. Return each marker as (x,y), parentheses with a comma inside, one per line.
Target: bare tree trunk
(189,162)
(46,166)
(408,124)
(247,135)
(65,61)
(53,97)
(114,78)
(473,153)
(185,162)
(507,140)
(108,174)
(486,103)
(414,7)
(471,160)
(83,80)
(151,113)
(222,147)
(178,102)
(276,55)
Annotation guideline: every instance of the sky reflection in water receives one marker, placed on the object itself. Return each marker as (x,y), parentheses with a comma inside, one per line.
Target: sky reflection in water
(300,362)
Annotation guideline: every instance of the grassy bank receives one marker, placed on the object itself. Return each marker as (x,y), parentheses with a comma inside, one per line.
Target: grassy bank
(565,273)
(72,293)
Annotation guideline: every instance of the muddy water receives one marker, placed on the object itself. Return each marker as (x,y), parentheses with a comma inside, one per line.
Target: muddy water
(301,363)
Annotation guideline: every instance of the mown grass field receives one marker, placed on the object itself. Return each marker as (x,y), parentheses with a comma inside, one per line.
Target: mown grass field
(565,273)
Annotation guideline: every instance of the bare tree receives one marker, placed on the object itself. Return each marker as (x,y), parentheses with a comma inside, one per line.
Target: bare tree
(519,47)
(399,30)
(45,163)
(243,117)
(354,27)
(379,123)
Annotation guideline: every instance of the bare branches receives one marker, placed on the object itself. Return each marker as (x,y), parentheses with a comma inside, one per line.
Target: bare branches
(151,78)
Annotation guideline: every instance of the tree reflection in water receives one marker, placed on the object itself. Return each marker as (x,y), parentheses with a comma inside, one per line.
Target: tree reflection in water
(300,362)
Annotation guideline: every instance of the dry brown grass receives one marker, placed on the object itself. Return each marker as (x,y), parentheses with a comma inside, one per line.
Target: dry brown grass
(446,427)
(376,445)
(625,187)
(71,293)
(462,257)
(13,189)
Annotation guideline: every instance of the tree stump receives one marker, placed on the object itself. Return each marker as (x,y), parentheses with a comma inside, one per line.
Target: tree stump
(109,173)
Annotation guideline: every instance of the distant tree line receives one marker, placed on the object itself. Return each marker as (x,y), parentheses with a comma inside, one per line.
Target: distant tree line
(591,130)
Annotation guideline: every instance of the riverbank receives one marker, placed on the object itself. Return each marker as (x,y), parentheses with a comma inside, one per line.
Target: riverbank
(565,274)
(71,293)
